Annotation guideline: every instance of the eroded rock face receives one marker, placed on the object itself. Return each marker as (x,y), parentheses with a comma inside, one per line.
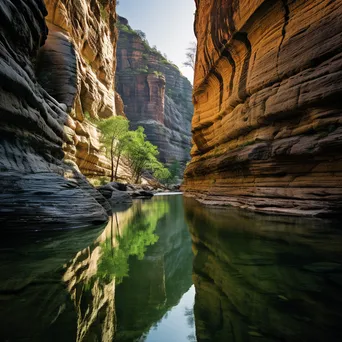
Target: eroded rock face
(38,190)
(77,67)
(267,93)
(155,94)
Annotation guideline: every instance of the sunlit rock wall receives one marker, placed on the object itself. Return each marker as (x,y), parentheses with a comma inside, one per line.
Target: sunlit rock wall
(38,190)
(77,67)
(156,95)
(267,94)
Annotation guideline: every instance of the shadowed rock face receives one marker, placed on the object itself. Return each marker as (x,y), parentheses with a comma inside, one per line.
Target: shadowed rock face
(36,186)
(267,93)
(155,94)
(77,67)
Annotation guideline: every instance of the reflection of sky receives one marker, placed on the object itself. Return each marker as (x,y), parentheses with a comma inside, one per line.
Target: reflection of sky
(178,324)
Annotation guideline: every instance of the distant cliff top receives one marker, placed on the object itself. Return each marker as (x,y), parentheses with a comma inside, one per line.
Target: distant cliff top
(155,93)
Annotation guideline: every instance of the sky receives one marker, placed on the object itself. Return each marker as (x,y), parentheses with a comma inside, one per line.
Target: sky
(168,24)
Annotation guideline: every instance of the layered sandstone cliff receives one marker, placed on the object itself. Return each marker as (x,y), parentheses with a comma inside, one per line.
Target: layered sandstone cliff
(267,94)
(37,187)
(155,94)
(77,67)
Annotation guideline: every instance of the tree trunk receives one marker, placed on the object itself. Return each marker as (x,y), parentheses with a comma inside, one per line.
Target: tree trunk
(137,179)
(117,166)
(112,160)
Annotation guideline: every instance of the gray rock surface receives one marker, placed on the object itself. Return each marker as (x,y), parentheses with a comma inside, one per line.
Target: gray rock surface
(120,197)
(38,190)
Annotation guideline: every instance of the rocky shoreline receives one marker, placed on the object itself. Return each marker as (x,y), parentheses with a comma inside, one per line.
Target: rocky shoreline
(120,193)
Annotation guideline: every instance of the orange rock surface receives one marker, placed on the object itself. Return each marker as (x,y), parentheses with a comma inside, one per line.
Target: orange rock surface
(268,103)
(77,67)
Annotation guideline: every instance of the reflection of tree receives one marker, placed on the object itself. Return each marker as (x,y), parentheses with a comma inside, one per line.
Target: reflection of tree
(189,314)
(192,338)
(134,240)
(90,276)
(155,284)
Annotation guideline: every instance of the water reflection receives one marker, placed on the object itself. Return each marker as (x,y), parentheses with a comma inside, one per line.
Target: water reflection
(54,293)
(262,278)
(252,277)
(34,303)
(92,275)
(157,283)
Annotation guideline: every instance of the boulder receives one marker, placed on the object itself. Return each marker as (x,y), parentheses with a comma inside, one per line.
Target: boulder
(118,197)
(107,190)
(142,194)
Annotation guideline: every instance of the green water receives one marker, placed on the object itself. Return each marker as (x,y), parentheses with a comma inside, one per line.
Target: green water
(171,270)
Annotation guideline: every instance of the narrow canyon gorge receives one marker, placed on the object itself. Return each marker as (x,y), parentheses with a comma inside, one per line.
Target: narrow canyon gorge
(58,79)
(137,206)
(266,127)
(267,96)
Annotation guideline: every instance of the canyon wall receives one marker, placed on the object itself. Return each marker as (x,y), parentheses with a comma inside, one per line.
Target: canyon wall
(267,96)
(39,190)
(156,95)
(77,67)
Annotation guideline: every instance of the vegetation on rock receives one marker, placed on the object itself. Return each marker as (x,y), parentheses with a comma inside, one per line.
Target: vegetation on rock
(139,153)
(156,95)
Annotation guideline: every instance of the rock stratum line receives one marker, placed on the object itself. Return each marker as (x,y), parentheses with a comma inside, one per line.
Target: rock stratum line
(38,190)
(268,103)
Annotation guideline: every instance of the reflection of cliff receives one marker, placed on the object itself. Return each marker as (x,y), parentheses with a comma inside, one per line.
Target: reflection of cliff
(157,282)
(93,298)
(91,276)
(269,279)
(34,303)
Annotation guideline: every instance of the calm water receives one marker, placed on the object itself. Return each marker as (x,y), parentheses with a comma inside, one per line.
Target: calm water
(170,270)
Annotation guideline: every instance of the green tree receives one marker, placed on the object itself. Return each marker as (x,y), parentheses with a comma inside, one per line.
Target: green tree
(142,155)
(172,174)
(141,34)
(174,169)
(114,137)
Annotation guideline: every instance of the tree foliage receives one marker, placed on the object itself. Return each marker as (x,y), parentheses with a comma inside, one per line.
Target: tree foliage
(191,55)
(141,34)
(140,154)
(114,131)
